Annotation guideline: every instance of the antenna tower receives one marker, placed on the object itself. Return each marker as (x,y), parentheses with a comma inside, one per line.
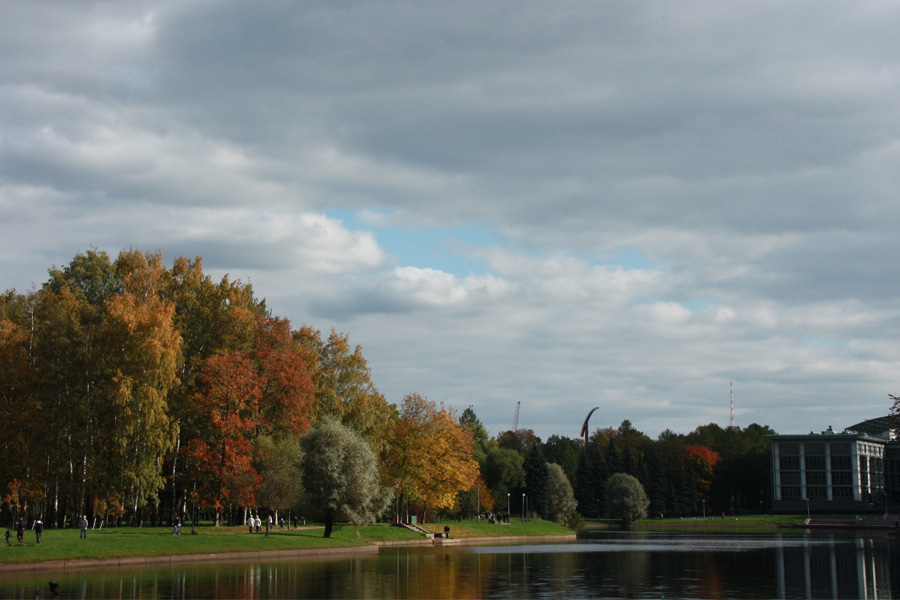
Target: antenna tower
(731,386)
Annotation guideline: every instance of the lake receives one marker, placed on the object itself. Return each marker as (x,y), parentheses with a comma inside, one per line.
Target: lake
(603,565)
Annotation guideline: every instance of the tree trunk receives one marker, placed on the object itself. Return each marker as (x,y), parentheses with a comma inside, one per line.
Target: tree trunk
(175,511)
(329,525)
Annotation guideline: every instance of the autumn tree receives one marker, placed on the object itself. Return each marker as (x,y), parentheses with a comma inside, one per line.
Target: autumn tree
(429,454)
(140,327)
(343,385)
(116,359)
(340,475)
(20,405)
(701,462)
(213,318)
(226,410)
(287,396)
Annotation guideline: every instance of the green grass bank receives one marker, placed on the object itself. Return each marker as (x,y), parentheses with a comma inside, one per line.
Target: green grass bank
(127,542)
(729,523)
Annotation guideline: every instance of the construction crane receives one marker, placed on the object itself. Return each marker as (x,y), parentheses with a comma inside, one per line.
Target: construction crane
(516,420)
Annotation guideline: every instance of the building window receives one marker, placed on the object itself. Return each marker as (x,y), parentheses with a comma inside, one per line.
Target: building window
(816,493)
(841,478)
(789,449)
(815,478)
(840,462)
(841,493)
(815,462)
(814,449)
(790,493)
(789,462)
(790,478)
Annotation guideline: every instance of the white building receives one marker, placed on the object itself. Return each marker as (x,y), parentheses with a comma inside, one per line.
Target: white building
(830,470)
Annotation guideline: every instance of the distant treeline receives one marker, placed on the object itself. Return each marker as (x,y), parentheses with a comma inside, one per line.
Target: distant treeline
(133,392)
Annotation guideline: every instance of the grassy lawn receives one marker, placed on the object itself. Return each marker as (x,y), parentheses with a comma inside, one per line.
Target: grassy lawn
(64,544)
(730,522)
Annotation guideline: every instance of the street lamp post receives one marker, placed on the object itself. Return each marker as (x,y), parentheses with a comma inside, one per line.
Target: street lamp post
(704,508)
(507,507)
(397,500)
(523,509)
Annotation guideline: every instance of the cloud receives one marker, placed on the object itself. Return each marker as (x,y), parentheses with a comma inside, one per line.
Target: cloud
(566,205)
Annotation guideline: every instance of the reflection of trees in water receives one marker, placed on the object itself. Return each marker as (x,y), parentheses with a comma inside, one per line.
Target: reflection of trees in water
(789,567)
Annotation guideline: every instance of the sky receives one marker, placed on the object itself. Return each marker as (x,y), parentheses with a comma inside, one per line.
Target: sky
(621,204)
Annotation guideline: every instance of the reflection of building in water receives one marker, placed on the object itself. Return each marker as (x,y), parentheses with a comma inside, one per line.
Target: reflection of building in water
(843,568)
(856,469)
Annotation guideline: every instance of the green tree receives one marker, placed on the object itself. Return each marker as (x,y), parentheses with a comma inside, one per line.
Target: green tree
(564,452)
(657,486)
(561,499)
(469,421)
(520,440)
(625,499)
(585,483)
(614,462)
(537,481)
(504,472)
(280,464)
(340,475)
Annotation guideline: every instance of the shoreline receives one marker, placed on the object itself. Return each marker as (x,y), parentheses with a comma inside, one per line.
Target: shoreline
(260,555)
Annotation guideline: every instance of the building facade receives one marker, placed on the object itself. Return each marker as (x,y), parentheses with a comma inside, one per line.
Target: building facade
(836,471)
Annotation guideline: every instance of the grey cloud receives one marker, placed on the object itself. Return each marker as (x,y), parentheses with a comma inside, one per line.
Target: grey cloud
(747,150)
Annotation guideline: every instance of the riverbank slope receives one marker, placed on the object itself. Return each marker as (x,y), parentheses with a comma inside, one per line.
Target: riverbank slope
(136,545)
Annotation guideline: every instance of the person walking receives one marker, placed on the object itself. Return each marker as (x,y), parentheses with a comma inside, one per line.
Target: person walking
(84,526)
(20,530)
(38,530)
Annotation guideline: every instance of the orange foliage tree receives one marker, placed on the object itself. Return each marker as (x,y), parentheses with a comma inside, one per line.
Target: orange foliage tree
(702,462)
(225,410)
(430,455)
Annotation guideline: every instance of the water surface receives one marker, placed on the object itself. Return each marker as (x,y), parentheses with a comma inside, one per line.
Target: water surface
(606,565)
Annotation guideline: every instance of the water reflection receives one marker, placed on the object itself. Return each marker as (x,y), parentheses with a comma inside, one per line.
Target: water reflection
(610,565)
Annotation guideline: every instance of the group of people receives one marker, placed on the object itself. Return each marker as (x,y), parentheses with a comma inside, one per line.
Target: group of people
(37,526)
(255,523)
